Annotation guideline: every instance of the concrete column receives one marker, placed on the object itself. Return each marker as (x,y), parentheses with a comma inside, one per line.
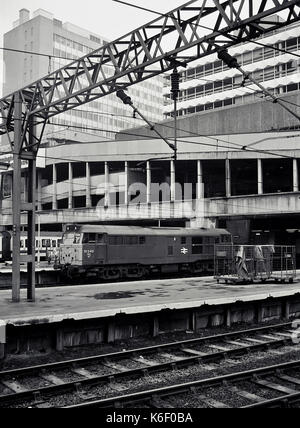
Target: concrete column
(295,176)
(54,196)
(200,183)
(173,181)
(260,177)
(2,339)
(149,179)
(228,178)
(106,179)
(228,317)
(156,329)
(39,190)
(88,186)
(70,204)
(126,184)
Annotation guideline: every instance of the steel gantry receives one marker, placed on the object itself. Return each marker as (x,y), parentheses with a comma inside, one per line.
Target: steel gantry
(181,35)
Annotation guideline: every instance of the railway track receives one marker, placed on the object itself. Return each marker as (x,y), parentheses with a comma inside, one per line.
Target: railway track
(36,385)
(249,385)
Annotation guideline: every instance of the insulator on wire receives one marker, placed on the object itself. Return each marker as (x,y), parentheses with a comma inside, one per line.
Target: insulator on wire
(124,97)
(175,84)
(229,60)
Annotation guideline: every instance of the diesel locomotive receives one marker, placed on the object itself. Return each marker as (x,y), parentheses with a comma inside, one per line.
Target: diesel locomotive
(116,252)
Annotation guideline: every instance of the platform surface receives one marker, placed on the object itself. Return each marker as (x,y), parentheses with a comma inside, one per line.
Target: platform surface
(103,300)
(42,267)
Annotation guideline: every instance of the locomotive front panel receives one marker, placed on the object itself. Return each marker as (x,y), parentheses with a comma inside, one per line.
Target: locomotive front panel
(71,250)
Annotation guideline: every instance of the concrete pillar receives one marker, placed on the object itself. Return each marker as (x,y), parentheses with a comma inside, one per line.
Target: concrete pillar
(173,181)
(39,190)
(228,318)
(286,310)
(295,176)
(111,333)
(59,340)
(54,196)
(106,179)
(2,339)
(259,313)
(228,178)
(260,177)
(155,326)
(70,204)
(126,184)
(148,181)
(88,186)
(200,183)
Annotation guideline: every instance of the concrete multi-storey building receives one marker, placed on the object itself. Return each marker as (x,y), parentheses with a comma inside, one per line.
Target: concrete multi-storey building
(208,84)
(58,43)
(244,175)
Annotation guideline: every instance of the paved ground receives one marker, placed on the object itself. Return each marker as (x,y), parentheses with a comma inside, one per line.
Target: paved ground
(91,301)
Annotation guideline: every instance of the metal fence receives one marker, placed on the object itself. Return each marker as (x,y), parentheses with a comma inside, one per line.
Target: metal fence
(249,263)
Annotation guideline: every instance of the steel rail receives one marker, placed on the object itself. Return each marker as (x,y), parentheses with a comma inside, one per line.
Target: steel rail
(169,391)
(119,356)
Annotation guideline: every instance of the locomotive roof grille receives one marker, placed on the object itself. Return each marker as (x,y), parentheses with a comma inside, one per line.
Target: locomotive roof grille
(149,231)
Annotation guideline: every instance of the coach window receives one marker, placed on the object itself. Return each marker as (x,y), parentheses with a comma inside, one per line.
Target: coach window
(197,244)
(54,244)
(142,240)
(183,241)
(46,243)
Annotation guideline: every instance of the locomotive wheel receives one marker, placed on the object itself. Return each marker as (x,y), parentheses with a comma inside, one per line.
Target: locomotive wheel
(111,273)
(197,267)
(136,272)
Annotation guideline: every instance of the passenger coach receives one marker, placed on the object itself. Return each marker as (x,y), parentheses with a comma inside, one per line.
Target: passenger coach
(114,252)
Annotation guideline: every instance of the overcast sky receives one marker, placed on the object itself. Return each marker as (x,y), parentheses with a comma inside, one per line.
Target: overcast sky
(103,17)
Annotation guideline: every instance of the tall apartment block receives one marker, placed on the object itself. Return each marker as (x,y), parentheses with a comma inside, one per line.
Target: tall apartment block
(208,84)
(43,33)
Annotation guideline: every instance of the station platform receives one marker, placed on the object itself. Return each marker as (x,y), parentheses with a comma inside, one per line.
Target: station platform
(161,305)
(45,275)
(6,268)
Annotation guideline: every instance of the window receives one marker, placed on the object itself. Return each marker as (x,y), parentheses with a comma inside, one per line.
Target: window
(183,241)
(116,240)
(54,244)
(100,239)
(46,243)
(88,238)
(197,245)
(142,240)
(131,240)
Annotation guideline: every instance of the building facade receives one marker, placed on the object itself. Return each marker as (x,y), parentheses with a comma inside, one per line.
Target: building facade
(209,84)
(59,43)
(253,193)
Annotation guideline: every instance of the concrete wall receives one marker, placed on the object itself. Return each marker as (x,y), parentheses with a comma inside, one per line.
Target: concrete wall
(260,116)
